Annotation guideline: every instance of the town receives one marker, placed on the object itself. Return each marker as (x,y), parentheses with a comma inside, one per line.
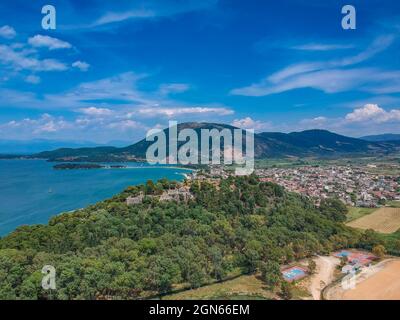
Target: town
(355,185)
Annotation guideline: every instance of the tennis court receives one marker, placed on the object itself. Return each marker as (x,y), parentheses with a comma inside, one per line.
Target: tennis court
(356,257)
(294,273)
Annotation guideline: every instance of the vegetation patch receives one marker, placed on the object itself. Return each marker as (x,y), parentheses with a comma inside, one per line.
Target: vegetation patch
(357,212)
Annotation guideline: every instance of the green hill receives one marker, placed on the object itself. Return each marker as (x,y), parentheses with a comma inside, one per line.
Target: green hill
(112,250)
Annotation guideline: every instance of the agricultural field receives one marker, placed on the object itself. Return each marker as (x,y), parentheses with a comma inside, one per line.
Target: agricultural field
(384,220)
(379,282)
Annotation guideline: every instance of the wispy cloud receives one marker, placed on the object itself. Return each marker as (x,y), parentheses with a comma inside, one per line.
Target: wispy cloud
(175,112)
(112,17)
(143,9)
(168,88)
(329,76)
(322,47)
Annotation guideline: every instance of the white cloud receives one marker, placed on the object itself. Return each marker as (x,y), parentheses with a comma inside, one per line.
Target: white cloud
(121,88)
(7,32)
(322,47)
(24,60)
(32,79)
(330,76)
(81,65)
(249,123)
(46,123)
(40,41)
(169,88)
(317,122)
(115,98)
(17,57)
(366,120)
(174,112)
(93,111)
(126,125)
(105,107)
(112,17)
(148,9)
(373,113)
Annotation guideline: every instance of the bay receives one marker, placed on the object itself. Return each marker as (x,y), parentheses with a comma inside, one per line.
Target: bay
(31,191)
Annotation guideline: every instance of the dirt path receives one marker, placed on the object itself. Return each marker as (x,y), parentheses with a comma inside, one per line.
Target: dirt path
(323,275)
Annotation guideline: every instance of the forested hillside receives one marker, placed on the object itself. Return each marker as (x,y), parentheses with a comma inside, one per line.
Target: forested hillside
(111,250)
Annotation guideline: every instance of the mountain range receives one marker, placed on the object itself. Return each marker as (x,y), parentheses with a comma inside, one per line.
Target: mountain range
(314,143)
(382,137)
(39,145)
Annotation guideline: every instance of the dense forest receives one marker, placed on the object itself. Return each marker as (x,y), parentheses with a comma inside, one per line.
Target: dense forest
(112,250)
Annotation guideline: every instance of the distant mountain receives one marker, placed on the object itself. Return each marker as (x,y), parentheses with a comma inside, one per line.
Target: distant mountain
(38,145)
(317,143)
(382,137)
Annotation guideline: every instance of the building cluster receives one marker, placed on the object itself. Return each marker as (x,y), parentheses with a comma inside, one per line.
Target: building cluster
(354,185)
(181,194)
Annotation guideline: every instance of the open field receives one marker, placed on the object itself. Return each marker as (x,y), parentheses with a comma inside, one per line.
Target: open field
(393,204)
(379,282)
(243,287)
(384,164)
(385,220)
(357,212)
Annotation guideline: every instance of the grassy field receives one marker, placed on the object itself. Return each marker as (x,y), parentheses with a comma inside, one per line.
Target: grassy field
(247,287)
(384,220)
(393,204)
(356,212)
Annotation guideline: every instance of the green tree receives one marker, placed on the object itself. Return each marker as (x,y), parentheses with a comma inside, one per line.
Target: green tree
(271,273)
(311,266)
(286,290)
(333,209)
(379,250)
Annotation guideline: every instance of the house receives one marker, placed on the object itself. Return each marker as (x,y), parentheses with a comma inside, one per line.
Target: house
(135,200)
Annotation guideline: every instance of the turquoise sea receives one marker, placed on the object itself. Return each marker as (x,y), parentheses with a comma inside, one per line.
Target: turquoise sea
(31,191)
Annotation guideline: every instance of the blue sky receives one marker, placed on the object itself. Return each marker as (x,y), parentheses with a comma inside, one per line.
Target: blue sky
(114,69)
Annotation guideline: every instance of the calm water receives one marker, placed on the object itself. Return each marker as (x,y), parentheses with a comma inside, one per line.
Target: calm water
(31,191)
